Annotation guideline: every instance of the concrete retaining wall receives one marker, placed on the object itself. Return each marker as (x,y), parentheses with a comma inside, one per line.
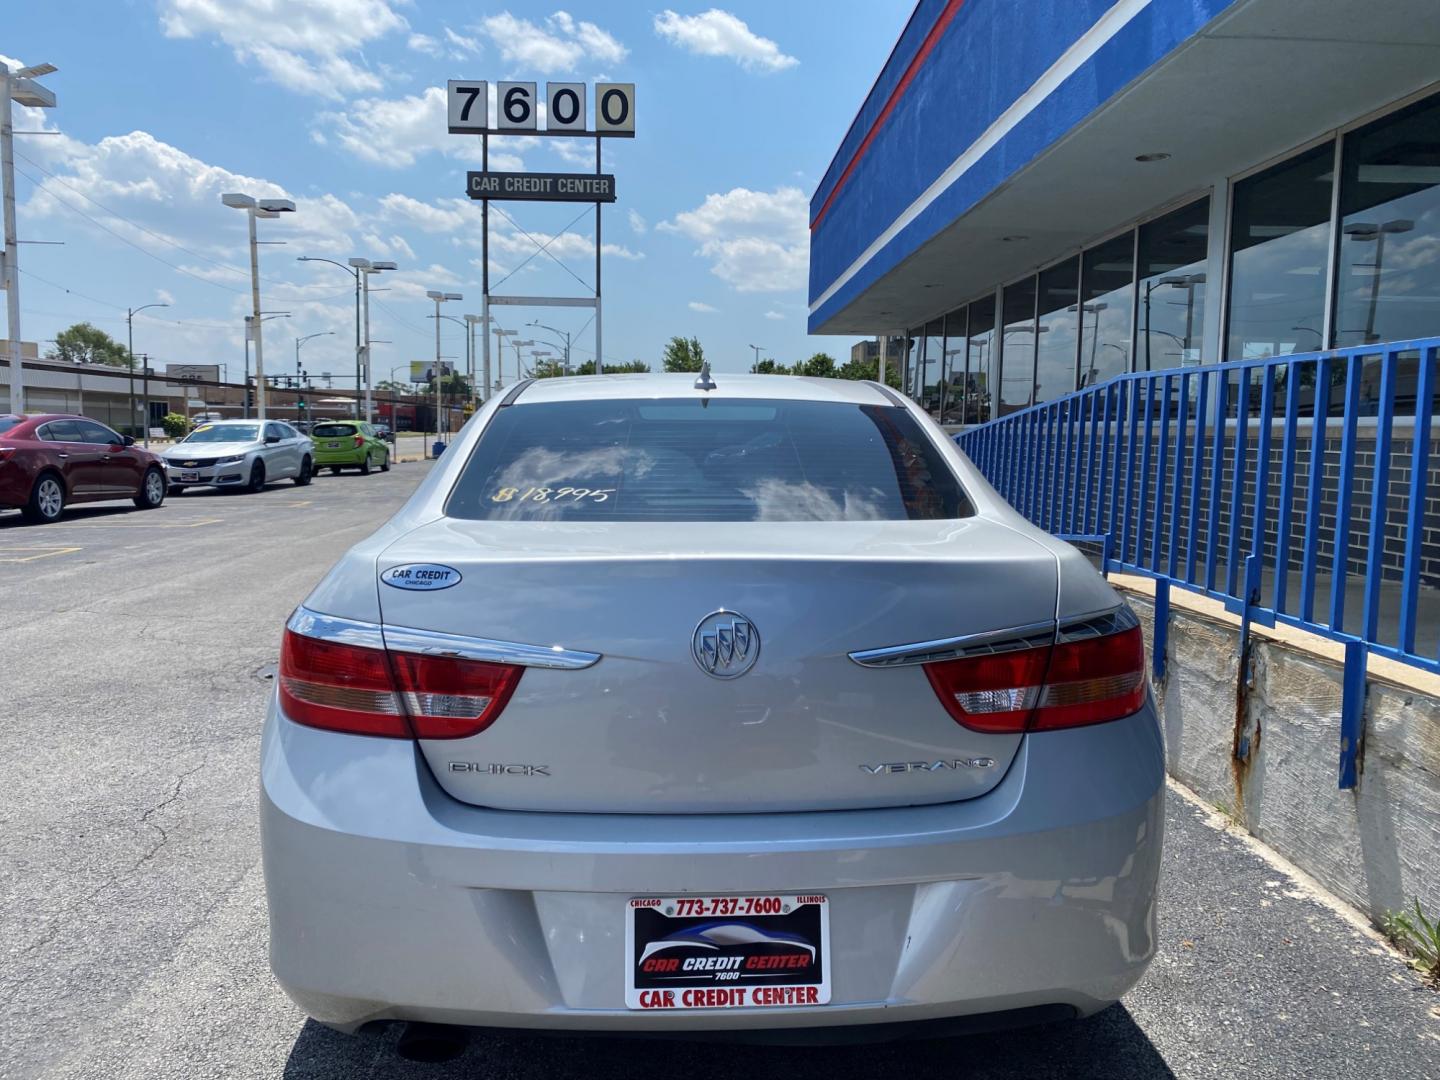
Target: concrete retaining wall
(1378,846)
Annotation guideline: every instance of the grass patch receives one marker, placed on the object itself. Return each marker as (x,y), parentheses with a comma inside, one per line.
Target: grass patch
(1419,937)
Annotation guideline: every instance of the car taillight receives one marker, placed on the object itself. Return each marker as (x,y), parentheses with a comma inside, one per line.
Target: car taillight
(359,441)
(6,451)
(1094,672)
(367,690)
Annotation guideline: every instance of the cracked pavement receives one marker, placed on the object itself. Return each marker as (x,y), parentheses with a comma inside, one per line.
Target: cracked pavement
(132,910)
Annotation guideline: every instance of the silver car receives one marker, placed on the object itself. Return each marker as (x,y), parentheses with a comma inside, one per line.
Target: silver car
(240,453)
(668,706)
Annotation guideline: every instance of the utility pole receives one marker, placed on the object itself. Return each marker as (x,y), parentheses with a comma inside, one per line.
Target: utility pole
(16,86)
(757,349)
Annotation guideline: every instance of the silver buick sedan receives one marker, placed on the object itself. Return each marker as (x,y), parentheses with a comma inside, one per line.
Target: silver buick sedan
(718,705)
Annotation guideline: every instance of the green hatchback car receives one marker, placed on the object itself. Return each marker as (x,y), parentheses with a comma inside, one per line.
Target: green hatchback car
(349,444)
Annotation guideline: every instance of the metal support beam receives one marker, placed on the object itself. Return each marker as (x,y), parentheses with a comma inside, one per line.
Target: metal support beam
(1352,714)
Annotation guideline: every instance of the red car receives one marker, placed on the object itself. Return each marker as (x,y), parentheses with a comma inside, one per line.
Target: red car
(47,462)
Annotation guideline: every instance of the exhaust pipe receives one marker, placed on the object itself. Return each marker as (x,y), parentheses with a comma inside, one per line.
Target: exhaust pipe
(431,1043)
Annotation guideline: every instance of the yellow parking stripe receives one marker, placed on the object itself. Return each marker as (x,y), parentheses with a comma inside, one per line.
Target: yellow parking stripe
(45,552)
(132,524)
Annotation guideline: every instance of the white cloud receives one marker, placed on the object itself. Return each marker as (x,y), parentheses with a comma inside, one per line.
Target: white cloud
(426,44)
(558,46)
(303,47)
(462,42)
(637,221)
(774,316)
(756,241)
(700,306)
(398,131)
(719,33)
(446,216)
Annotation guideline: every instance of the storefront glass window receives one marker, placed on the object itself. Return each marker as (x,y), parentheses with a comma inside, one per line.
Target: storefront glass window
(914,353)
(1172,287)
(1279,233)
(1388,275)
(1017,347)
(1107,291)
(1058,331)
(952,382)
(930,374)
(980,361)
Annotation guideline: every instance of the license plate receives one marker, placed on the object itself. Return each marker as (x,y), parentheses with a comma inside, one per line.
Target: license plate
(189,477)
(332,446)
(727,952)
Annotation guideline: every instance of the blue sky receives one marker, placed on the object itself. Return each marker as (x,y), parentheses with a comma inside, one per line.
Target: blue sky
(338,104)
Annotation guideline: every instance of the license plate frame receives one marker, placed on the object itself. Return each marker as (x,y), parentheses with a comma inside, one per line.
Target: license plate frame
(189,478)
(332,446)
(726,951)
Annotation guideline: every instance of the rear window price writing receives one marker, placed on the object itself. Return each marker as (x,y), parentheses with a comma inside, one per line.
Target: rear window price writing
(545,494)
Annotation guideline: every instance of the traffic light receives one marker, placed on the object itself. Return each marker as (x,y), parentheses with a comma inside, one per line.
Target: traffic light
(300,405)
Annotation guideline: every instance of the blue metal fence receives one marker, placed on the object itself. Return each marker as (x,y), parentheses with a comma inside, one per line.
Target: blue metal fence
(1299,490)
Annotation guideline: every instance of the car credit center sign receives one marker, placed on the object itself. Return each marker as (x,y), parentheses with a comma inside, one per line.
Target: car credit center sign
(517,112)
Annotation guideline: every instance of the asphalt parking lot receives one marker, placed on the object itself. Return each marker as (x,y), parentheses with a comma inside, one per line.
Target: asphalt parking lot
(132,913)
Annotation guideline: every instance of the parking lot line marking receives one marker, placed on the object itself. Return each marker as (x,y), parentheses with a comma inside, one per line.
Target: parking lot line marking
(134,524)
(46,551)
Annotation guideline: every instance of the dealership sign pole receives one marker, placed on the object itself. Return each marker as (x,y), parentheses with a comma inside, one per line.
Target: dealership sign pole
(468,113)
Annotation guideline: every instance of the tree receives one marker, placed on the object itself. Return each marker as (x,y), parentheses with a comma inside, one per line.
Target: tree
(86,344)
(868,370)
(549,369)
(634,367)
(390,386)
(768,367)
(819,366)
(684,354)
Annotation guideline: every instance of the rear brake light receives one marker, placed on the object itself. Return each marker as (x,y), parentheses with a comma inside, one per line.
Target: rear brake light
(1093,673)
(367,690)
(359,441)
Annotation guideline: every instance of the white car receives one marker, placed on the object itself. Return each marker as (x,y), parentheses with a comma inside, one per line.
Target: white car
(240,453)
(668,706)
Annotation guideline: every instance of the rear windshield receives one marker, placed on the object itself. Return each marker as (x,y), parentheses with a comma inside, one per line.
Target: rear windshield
(332,430)
(689,460)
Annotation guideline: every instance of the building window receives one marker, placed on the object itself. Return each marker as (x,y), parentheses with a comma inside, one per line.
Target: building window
(952,380)
(1171,319)
(1017,347)
(1279,233)
(1387,284)
(914,352)
(930,373)
(1107,293)
(980,361)
(1058,330)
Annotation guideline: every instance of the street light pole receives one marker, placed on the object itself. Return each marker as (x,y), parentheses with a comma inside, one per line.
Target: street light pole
(257,208)
(130,314)
(566,335)
(16,86)
(439,298)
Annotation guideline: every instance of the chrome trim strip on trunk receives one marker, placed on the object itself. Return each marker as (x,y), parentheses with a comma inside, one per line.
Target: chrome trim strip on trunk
(1032,636)
(369,635)
(1012,639)
(434,643)
(313,624)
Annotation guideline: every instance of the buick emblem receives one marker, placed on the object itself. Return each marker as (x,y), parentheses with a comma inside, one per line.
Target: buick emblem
(726,644)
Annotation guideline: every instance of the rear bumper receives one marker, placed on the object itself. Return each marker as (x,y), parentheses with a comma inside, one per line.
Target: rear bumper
(390,900)
(339,457)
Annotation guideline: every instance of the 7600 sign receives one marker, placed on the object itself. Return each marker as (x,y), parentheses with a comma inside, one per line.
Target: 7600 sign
(517,110)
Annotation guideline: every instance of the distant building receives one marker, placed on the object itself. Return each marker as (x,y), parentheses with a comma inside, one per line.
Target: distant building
(869,351)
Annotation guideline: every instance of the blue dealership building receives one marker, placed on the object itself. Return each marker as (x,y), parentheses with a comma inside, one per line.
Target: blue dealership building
(1040,195)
